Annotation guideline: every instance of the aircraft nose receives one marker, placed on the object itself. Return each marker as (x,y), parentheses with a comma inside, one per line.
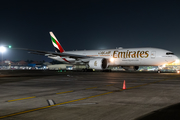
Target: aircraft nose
(176,59)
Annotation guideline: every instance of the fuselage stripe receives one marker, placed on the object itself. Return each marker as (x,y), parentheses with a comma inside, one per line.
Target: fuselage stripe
(65,60)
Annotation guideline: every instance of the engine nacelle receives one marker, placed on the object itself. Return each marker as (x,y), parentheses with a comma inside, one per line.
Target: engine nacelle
(130,68)
(98,64)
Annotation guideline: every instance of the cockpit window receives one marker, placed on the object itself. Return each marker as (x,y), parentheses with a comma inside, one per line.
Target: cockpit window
(169,53)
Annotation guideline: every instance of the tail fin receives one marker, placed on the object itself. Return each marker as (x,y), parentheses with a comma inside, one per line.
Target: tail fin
(56,43)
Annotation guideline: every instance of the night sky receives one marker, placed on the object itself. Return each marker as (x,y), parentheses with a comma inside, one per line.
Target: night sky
(89,24)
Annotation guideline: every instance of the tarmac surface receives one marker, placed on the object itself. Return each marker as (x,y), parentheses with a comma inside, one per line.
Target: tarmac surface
(52,95)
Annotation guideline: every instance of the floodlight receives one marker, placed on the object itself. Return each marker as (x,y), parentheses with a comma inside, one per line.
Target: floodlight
(2,49)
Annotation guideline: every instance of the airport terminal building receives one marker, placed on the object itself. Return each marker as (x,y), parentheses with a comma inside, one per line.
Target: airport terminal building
(23,65)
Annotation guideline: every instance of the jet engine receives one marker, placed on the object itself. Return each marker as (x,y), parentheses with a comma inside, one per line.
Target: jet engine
(98,64)
(130,68)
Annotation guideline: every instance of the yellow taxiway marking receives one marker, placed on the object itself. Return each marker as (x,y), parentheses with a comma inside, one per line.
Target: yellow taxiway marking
(65,92)
(27,111)
(90,88)
(35,96)
(56,93)
(86,89)
(21,99)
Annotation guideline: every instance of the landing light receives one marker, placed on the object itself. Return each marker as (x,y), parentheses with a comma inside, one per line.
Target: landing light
(112,59)
(177,61)
(164,65)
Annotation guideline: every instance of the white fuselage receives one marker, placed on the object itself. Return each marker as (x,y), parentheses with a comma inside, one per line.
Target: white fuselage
(125,57)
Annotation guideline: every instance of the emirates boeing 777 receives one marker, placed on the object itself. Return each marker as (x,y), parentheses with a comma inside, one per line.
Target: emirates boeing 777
(129,58)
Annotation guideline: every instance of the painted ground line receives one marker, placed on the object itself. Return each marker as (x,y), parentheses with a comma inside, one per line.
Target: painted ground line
(65,92)
(56,93)
(21,99)
(32,110)
(91,88)
(72,91)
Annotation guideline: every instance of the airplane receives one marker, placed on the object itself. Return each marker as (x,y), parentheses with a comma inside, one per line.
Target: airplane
(128,58)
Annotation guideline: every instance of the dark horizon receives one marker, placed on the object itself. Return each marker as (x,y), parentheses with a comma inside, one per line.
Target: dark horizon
(80,25)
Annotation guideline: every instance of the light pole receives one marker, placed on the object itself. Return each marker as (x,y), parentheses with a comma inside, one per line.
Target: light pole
(2,50)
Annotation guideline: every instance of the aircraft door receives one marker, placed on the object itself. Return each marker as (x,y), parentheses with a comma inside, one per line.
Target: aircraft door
(153,54)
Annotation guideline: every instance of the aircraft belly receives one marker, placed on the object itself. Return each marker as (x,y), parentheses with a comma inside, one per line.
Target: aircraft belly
(153,62)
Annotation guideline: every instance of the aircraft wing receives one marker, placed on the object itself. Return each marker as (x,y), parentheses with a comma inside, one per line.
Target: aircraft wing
(47,53)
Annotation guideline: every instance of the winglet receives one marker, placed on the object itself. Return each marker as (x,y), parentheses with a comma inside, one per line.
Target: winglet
(56,43)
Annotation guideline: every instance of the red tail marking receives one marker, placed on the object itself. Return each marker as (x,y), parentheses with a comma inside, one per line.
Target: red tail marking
(59,46)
